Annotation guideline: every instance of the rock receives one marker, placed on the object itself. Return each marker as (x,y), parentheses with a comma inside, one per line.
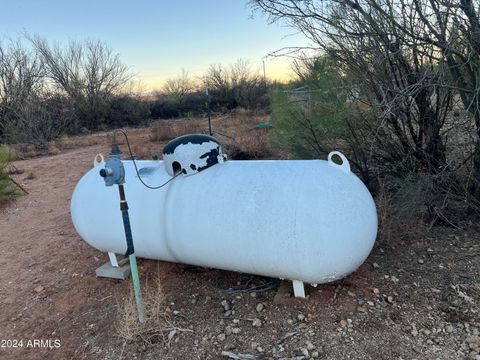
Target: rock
(375,265)
(449,329)
(228,313)
(236,330)
(221,337)
(351,294)
(39,289)
(305,352)
(225,305)
(228,330)
(259,307)
(259,349)
(390,299)
(253,294)
(473,355)
(289,321)
(301,317)
(309,345)
(474,343)
(370,303)
(315,354)
(414,331)
(376,291)
(474,339)
(421,261)
(343,323)
(257,323)
(427,332)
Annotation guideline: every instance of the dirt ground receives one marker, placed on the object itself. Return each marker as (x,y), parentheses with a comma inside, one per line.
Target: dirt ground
(413,299)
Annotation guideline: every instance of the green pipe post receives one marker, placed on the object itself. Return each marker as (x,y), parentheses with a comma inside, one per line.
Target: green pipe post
(136,287)
(131,254)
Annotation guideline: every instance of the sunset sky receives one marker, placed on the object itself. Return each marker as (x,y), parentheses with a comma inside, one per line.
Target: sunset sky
(158,39)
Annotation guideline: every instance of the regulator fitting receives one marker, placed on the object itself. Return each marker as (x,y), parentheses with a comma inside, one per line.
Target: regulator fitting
(114,172)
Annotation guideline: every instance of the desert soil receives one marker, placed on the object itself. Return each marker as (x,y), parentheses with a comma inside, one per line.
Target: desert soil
(416,298)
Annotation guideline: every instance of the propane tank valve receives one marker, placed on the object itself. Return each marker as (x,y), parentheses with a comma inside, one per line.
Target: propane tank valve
(114,172)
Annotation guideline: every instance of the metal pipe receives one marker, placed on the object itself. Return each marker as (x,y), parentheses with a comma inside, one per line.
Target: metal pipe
(131,254)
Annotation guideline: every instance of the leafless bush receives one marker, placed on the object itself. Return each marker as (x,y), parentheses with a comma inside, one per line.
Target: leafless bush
(180,86)
(412,203)
(158,325)
(38,121)
(237,85)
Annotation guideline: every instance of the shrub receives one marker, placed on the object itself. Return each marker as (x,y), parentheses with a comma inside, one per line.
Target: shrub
(310,116)
(37,121)
(127,111)
(164,108)
(7,188)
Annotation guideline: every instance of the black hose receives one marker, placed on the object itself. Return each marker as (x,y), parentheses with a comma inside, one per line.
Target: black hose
(135,163)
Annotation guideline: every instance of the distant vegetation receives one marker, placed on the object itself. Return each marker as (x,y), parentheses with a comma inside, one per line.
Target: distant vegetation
(49,90)
(220,89)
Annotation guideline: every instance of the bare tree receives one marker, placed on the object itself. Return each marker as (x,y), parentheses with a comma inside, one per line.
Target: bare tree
(20,74)
(180,86)
(86,71)
(21,91)
(217,79)
(237,85)
(87,68)
(103,71)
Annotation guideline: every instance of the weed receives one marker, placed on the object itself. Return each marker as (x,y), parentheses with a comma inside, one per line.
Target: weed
(158,325)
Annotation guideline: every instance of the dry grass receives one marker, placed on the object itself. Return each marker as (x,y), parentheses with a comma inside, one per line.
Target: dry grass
(388,222)
(236,131)
(28,151)
(244,141)
(395,215)
(158,325)
(165,130)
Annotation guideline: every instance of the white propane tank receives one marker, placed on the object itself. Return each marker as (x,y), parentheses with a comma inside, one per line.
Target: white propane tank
(303,220)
